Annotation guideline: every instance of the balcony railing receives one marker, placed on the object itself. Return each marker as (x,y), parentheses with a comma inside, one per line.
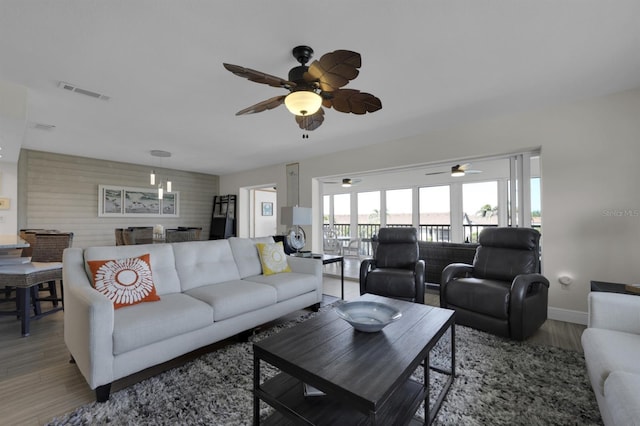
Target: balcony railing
(426,232)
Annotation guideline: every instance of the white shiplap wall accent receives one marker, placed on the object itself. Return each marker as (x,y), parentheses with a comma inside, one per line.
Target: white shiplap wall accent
(58,191)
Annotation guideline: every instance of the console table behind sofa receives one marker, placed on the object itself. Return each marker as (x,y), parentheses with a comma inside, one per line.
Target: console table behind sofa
(437,255)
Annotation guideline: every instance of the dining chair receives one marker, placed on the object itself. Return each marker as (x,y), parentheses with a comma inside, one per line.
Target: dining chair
(119,236)
(137,235)
(352,249)
(177,235)
(331,244)
(48,248)
(26,278)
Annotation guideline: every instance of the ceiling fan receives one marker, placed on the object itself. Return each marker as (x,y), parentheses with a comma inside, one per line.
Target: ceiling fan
(314,86)
(457,170)
(346,182)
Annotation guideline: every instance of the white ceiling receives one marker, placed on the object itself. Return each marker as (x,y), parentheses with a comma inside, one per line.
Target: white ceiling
(432,63)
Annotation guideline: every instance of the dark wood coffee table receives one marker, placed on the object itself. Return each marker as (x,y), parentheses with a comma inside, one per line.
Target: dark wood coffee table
(366,376)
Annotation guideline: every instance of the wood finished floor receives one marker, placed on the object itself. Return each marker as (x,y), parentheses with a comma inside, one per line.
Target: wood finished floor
(37,382)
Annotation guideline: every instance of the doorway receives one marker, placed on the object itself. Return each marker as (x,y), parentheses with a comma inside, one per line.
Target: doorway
(263,208)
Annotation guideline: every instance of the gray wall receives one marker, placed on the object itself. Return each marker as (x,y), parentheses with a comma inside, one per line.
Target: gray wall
(61,192)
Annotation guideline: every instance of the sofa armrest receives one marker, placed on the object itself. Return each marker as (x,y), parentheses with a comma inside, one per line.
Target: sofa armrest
(614,311)
(88,322)
(307,265)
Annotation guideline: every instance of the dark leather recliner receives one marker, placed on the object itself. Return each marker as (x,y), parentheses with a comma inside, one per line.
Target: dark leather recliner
(502,292)
(395,271)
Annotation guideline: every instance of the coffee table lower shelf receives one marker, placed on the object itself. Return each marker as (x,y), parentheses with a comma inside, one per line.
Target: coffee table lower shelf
(285,393)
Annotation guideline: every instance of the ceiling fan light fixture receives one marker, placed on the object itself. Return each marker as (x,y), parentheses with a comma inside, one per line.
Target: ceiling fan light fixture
(456,171)
(346,183)
(303,102)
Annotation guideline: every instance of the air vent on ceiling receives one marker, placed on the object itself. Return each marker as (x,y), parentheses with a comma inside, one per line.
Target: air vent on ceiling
(42,126)
(76,89)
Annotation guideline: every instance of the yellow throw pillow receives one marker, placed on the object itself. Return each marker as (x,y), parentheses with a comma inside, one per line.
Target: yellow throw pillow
(273,258)
(124,281)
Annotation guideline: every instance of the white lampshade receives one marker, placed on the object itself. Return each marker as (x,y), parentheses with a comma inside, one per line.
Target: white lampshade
(303,102)
(152,177)
(168,186)
(295,216)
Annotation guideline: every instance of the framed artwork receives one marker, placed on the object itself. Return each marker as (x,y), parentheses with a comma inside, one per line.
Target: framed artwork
(5,203)
(267,209)
(114,201)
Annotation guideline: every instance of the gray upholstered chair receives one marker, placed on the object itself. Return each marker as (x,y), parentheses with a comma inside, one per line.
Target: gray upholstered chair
(395,271)
(502,292)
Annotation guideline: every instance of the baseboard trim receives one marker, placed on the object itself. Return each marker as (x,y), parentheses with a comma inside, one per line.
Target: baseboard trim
(566,315)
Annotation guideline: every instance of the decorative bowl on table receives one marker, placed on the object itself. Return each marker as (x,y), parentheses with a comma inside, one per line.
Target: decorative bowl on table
(368,316)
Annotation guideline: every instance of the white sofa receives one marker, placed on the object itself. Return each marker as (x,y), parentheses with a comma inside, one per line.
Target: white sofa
(611,346)
(209,291)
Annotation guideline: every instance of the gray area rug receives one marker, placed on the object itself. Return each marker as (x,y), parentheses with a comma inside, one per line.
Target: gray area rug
(498,382)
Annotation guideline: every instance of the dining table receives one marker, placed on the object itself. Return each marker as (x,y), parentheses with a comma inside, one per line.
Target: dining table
(11,249)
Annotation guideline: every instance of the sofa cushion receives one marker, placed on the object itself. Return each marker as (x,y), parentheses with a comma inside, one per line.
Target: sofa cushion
(288,285)
(602,360)
(140,325)
(232,298)
(621,391)
(272,258)
(246,255)
(161,258)
(202,263)
(124,281)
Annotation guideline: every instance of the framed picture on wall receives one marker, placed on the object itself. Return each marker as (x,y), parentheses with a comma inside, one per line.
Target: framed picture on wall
(122,201)
(267,209)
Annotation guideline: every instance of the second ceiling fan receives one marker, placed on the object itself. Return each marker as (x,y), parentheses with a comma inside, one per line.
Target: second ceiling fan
(346,182)
(313,87)
(457,171)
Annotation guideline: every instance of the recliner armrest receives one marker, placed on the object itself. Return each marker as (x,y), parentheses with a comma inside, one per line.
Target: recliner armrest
(521,287)
(365,266)
(419,271)
(455,270)
(450,273)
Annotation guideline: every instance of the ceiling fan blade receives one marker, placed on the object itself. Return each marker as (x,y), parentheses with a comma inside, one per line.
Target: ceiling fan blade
(259,76)
(310,122)
(435,173)
(471,172)
(334,69)
(263,106)
(352,100)
(464,166)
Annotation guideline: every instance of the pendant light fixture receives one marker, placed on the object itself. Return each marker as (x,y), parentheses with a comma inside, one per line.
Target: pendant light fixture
(152,177)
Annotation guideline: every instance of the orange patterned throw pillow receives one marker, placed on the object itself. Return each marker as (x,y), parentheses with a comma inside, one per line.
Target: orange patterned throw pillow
(124,281)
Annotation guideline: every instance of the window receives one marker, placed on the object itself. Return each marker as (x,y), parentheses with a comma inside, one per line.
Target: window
(398,209)
(536,212)
(435,213)
(480,208)
(326,210)
(342,214)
